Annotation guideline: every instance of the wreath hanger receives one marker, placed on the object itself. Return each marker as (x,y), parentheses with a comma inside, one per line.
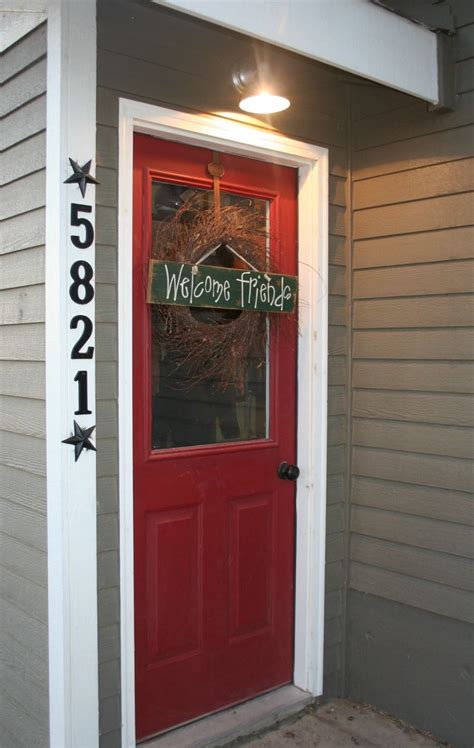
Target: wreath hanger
(217,171)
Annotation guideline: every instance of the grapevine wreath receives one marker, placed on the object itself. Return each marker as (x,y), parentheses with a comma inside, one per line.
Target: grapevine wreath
(213,344)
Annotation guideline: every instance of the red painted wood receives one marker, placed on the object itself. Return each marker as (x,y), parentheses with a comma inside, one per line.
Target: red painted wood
(214,525)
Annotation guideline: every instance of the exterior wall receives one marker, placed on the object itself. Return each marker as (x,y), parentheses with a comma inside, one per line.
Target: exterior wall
(150,54)
(410,577)
(23,562)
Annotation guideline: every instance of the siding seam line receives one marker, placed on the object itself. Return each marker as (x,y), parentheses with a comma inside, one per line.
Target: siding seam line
(410,576)
(348,466)
(414,168)
(428,520)
(31,64)
(439,455)
(27,137)
(416,392)
(410,201)
(406,140)
(365,237)
(23,176)
(400,265)
(432,165)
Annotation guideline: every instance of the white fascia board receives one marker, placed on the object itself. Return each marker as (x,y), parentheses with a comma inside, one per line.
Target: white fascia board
(353,35)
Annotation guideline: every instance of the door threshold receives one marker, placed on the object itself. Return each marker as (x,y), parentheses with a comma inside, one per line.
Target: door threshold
(223,727)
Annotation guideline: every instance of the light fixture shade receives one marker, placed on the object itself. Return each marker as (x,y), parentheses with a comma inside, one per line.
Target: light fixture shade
(264,103)
(257,89)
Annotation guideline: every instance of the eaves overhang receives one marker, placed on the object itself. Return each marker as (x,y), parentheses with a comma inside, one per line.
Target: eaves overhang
(353,35)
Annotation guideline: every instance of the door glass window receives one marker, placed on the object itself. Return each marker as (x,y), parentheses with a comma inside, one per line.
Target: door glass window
(187,413)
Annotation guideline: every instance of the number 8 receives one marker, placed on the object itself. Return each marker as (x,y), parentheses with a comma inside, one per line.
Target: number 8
(81,280)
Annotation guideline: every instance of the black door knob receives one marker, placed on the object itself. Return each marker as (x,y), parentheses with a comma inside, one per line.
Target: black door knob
(288,472)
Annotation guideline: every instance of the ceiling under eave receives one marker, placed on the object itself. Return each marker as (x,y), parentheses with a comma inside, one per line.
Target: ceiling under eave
(354,35)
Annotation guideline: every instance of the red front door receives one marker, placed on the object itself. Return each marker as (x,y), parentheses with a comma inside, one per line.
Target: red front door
(214,524)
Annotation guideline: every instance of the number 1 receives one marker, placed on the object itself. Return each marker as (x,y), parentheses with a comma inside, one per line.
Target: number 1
(81,379)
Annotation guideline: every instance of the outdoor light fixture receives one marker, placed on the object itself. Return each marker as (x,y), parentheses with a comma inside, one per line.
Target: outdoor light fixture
(258,95)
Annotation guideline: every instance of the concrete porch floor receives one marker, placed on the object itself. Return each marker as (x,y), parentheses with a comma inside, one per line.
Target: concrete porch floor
(288,718)
(337,724)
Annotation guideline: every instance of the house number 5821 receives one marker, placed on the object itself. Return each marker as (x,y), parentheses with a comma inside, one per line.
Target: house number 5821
(81,294)
(81,291)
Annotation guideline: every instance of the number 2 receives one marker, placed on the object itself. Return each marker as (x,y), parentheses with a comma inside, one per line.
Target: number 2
(86,333)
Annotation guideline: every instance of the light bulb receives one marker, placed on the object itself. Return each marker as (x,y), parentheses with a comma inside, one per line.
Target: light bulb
(264,103)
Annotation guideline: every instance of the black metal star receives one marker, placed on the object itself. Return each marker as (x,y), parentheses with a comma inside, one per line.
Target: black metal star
(81,176)
(80,440)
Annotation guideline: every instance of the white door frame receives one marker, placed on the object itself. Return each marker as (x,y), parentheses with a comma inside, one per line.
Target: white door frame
(312,163)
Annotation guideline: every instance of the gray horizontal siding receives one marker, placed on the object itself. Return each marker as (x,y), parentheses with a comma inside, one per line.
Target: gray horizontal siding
(412,512)
(452,344)
(441,568)
(23,231)
(23,415)
(411,249)
(26,85)
(21,56)
(429,214)
(436,535)
(402,123)
(22,342)
(433,439)
(23,159)
(419,500)
(23,305)
(451,276)
(23,489)
(425,407)
(435,311)
(23,453)
(23,195)
(437,598)
(23,560)
(391,665)
(432,181)
(411,467)
(415,152)
(465,76)
(24,122)
(438,376)
(27,265)
(16,377)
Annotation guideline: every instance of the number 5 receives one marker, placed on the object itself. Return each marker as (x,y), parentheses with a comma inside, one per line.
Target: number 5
(77,220)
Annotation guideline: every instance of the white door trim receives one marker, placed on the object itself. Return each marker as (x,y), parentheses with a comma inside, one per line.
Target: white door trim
(312,163)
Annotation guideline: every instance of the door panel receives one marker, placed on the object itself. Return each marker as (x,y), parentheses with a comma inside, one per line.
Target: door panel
(173,612)
(251,563)
(213,523)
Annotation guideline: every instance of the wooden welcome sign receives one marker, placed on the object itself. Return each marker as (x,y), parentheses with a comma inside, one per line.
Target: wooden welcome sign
(183,284)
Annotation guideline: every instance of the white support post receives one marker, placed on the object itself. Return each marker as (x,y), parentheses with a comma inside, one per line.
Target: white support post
(70,378)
